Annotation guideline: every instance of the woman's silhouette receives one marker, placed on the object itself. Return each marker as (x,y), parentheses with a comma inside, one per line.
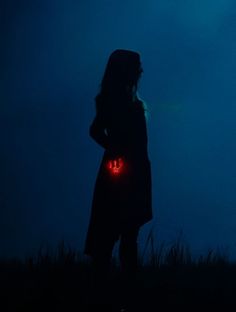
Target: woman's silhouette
(122,196)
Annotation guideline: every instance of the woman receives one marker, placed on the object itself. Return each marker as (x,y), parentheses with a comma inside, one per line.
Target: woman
(122,196)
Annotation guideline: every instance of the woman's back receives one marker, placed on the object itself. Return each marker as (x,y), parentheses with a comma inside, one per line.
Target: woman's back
(125,125)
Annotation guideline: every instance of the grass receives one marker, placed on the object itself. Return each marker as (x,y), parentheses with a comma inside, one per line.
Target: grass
(170,279)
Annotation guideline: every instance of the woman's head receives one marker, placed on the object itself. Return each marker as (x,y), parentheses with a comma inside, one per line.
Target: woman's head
(122,73)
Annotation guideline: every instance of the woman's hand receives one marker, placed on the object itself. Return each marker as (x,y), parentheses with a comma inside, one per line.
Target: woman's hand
(116,166)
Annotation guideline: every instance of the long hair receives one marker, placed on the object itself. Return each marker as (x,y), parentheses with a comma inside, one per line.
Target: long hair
(120,80)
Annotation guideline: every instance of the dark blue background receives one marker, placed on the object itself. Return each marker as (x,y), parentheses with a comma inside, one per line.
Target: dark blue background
(53,55)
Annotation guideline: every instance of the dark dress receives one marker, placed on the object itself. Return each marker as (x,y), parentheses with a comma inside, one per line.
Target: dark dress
(124,200)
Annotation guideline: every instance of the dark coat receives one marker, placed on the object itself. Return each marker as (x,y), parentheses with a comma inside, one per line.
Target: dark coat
(125,199)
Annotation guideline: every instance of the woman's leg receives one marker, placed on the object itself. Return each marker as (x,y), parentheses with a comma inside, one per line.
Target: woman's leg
(101,261)
(128,250)
(128,253)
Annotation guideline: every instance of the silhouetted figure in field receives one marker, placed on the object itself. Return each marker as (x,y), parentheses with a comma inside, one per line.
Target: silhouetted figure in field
(122,196)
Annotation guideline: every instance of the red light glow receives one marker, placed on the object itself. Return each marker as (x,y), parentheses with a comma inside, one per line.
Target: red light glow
(116,166)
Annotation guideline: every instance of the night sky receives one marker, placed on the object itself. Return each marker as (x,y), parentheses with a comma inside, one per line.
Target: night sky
(53,55)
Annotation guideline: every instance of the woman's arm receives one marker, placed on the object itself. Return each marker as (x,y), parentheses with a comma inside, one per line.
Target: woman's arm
(97,131)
